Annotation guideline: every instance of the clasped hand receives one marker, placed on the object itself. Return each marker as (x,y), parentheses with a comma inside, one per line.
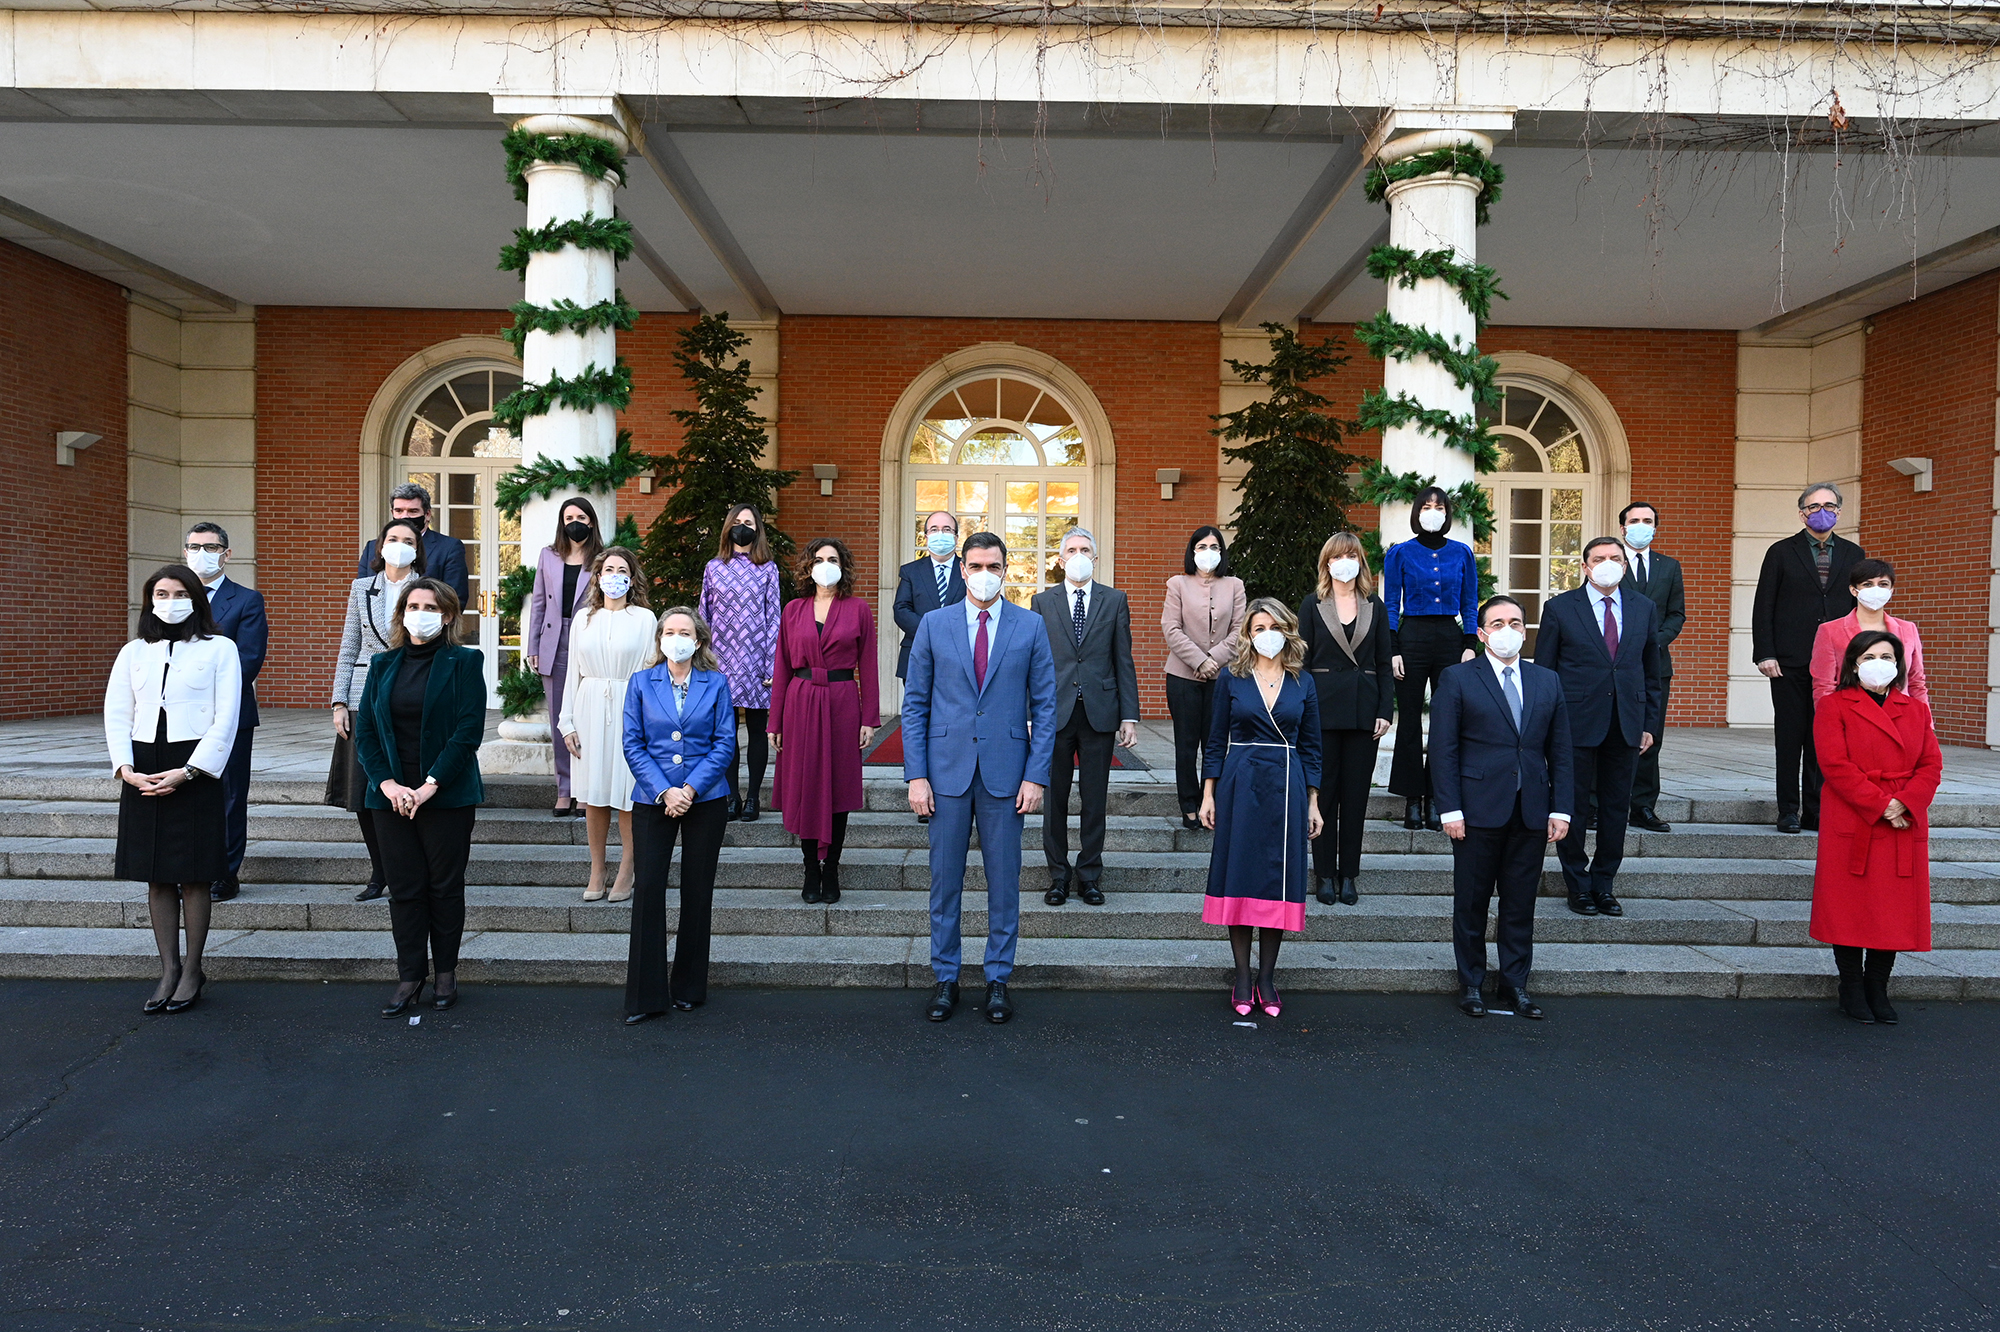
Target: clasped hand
(405,800)
(1898,815)
(155,783)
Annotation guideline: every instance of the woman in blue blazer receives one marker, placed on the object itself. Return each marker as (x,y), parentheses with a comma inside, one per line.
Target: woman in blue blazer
(680,742)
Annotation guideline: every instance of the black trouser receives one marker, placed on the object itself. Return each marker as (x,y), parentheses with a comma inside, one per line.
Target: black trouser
(1646,777)
(1078,745)
(1189,703)
(1792,721)
(423,861)
(1427,644)
(1347,763)
(648,987)
(1508,860)
(756,751)
(1603,773)
(236,798)
(366,818)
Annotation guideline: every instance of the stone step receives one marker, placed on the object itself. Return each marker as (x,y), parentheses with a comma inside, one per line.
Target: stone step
(1137,915)
(1716,971)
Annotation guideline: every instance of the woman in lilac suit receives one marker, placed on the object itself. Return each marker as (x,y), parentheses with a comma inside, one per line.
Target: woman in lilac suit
(739,599)
(562,585)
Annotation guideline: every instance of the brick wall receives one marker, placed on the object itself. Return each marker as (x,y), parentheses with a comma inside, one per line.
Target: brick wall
(62,367)
(1929,392)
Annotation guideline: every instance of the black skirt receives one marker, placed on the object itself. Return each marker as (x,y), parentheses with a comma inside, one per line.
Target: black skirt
(346,780)
(177,838)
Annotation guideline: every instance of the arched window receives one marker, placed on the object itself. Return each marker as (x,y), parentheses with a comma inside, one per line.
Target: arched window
(1543,498)
(1005,455)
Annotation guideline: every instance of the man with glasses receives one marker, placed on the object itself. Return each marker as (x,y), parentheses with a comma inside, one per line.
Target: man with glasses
(935,579)
(444,556)
(239,617)
(1803,585)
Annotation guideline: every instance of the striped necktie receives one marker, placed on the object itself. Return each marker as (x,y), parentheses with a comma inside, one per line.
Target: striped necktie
(943,572)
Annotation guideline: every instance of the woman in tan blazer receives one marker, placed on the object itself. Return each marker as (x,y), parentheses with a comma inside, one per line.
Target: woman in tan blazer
(1203,610)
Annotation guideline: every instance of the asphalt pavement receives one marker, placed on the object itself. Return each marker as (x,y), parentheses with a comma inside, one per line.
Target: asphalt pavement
(281,1158)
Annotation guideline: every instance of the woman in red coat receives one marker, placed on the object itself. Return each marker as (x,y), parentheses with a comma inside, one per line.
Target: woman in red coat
(824,710)
(1880,757)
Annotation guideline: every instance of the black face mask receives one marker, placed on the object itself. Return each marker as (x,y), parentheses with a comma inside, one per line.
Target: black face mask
(742,534)
(419,521)
(577,531)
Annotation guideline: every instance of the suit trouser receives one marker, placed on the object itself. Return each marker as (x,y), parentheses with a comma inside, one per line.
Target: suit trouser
(1189,703)
(423,859)
(554,681)
(1347,764)
(1508,859)
(236,799)
(649,988)
(1792,722)
(1604,773)
(1079,745)
(1428,644)
(1646,777)
(1000,849)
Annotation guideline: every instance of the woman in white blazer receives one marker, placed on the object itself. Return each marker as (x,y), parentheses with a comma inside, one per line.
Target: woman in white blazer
(374,605)
(170,712)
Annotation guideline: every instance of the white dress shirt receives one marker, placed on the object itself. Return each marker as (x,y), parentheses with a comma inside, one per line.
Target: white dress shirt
(1499,674)
(1632,557)
(1598,596)
(992,622)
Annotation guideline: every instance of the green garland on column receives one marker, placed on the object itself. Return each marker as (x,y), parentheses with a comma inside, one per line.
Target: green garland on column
(544,477)
(588,232)
(566,316)
(593,156)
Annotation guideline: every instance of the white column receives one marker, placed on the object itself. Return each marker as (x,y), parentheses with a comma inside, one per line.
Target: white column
(1436,212)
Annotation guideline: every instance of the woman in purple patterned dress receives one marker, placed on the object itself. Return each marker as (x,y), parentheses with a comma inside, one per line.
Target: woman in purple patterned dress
(739,599)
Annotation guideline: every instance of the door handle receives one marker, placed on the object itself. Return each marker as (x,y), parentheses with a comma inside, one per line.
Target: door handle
(487,601)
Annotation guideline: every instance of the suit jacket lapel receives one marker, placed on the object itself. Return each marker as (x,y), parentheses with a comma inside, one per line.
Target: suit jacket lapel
(961,643)
(1885,715)
(1002,632)
(1500,695)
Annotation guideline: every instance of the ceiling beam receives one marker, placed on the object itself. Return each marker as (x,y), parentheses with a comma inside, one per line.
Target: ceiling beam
(1356,265)
(659,268)
(124,259)
(1953,263)
(1346,165)
(665,159)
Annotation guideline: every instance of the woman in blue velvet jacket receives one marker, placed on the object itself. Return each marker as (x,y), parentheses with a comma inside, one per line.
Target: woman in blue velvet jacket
(680,742)
(1431,588)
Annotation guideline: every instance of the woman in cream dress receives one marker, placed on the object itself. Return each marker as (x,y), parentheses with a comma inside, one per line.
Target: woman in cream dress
(611,638)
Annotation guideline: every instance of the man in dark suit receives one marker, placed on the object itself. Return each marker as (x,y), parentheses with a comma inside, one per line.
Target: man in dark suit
(444,556)
(239,617)
(1602,643)
(1656,577)
(923,585)
(1500,769)
(1803,585)
(1097,695)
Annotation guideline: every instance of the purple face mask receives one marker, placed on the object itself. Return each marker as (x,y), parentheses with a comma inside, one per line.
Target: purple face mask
(1822,520)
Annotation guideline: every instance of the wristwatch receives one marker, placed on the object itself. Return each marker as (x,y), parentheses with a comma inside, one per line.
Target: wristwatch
(190,772)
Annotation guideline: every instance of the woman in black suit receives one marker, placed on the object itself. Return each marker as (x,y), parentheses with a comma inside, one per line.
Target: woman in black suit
(1348,653)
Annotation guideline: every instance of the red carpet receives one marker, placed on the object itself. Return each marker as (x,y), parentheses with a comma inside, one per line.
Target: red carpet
(888,752)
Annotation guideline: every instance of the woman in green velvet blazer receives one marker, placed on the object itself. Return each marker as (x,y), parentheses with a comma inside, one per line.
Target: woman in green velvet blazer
(422,716)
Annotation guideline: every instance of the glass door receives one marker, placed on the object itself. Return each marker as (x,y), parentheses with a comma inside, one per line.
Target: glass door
(1537,545)
(1031,514)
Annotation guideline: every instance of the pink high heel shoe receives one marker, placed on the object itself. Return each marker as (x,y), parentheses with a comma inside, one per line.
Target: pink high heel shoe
(1271,1007)
(1242,1009)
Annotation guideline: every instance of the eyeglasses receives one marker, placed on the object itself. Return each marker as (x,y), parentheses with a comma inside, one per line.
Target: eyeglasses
(211,548)
(1816,508)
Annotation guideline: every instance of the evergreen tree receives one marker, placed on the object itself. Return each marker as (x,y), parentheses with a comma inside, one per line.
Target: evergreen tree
(715,466)
(1296,492)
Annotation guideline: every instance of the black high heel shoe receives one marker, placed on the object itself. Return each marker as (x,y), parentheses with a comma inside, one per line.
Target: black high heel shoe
(1413,814)
(1323,890)
(750,811)
(733,810)
(397,1007)
(183,1005)
(155,1005)
(439,999)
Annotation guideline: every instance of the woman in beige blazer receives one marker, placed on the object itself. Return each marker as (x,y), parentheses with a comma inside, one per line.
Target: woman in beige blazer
(1203,610)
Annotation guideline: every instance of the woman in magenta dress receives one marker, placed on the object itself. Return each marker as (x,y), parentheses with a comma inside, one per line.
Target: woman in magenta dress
(820,719)
(739,599)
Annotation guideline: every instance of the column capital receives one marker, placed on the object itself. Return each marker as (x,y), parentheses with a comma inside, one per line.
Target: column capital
(560,115)
(1436,127)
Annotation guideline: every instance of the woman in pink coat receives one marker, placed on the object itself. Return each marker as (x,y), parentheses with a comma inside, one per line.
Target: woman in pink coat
(1871,583)
(1880,758)
(824,710)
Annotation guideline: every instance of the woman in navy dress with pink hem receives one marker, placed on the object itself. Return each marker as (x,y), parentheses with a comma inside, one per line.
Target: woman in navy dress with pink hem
(1261,796)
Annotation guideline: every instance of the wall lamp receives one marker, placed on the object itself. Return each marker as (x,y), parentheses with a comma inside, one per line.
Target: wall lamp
(1168,477)
(1918,469)
(826,474)
(69,441)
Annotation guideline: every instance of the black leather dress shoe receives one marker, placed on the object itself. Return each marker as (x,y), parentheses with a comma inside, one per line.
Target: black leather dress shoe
(1607,905)
(998,1007)
(1788,823)
(1469,1002)
(685,1005)
(1323,890)
(1413,814)
(1650,821)
(1583,905)
(223,889)
(923,818)
(371,892)
(1058,892)
(1522,1005)
(634,1019)
(1191,823)
(1350,892)
(943,999)
(1091,894)
(734,809)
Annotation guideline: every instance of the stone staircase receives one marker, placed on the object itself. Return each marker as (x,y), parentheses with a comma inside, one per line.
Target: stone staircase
(1716,908)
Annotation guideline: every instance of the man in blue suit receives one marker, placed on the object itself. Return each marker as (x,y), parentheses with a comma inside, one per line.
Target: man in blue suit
(239,617)
(1603,641)
(444,556)
(1500,768)
(979,711)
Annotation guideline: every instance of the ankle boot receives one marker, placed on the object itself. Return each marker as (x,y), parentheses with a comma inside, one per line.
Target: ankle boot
(1413,814)
(1875,989)
(812,891)
(1854,1002)
(829,892)
(1431,819)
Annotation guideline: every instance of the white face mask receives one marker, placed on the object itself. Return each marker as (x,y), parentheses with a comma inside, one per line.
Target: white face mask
(1431,520)
(1505,643)
(678,647)
(1607,574)
(1077,568)
(1875,672)
(1268,642)
(422,625)
(399,555)
(615,585)
(941,544)
(1207,560)
(1638,535)
(983,584)
(1345,569)
(825,574)
(173,611)
(204,563)
(1875,598)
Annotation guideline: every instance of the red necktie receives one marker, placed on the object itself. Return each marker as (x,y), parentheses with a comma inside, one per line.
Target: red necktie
(979,651)
(1610,631)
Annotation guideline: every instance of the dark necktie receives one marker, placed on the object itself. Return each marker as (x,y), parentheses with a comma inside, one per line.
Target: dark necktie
(1076,619)
(943,572)
(1642,572)
(979,651)
(1610,631)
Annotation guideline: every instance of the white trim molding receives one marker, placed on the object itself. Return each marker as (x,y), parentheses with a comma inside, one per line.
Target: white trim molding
(393,400)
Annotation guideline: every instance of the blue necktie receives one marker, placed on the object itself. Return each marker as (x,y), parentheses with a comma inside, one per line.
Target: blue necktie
(944,580)
(1513,694)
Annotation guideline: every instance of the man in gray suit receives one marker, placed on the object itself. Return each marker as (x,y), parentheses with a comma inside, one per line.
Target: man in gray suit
(1656,577)
(1097,700)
